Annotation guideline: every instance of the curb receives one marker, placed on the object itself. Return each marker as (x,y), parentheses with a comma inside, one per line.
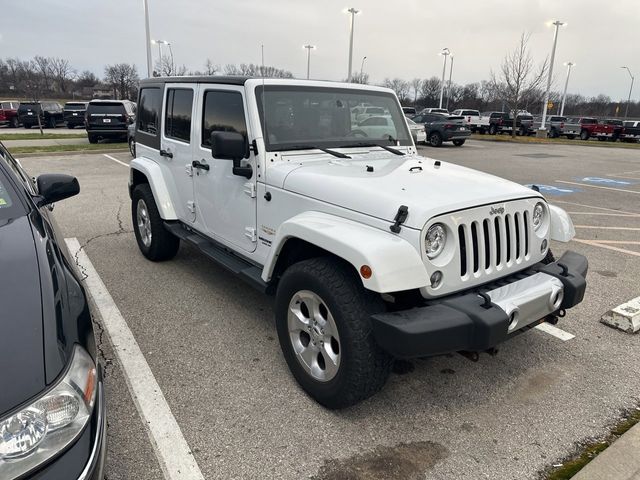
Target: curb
(620,461)
(626,146)
(69,152)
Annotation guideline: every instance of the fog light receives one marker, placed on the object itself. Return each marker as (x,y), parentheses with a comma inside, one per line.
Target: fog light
(543,246)
(436,279)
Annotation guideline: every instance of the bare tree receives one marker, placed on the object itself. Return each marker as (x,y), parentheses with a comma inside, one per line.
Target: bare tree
(361,78)
(87,79)
(210,68)
(123,79)
(401,87)
(416,83)
(429,91)
(166,67)
(62,72)
(43,66)
(518,77)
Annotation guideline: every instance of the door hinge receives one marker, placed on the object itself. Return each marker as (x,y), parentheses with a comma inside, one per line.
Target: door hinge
(191,205)
(189,169)
(250,233)
(250,189)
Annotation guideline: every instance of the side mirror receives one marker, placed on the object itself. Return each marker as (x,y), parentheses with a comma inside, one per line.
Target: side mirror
(53,187)
(232,146)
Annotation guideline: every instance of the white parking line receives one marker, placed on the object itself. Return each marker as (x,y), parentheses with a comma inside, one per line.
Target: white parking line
(598,186)
(631,229)
(171,448)
(594,243)
(116,160)
(555,331)
(593,206)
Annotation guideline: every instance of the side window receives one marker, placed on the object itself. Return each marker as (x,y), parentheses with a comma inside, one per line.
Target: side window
(223,111)
(149,117)
(177,121)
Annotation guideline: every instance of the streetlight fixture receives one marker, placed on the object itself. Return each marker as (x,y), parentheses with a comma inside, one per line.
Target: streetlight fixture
(449,87)
(626,112)
(353,13)
(566,84)
(160,43)
(148,36)
(362,68)
(445,53)
(309,48)
(557,24)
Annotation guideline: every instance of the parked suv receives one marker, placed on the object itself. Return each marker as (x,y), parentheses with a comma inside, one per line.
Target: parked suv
(372,251)
(50,113)
(74,114)
(9,114)
(443,128)
(109,119)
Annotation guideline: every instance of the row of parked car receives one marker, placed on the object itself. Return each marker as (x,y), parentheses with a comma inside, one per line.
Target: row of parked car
(102,119)
(526,124)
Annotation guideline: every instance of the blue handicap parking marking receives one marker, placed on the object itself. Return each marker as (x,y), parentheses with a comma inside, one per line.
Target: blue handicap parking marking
(553,190)
(605,181)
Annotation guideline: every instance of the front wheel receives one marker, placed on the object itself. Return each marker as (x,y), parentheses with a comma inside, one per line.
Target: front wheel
(324,328)
(584,135)
(14,122)
(132,147)
(155,242)
(458,143)
(435,139)
(52,122)
(493,130)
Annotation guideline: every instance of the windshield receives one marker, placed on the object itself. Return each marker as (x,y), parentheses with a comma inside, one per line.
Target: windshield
(9,207)
(298,116)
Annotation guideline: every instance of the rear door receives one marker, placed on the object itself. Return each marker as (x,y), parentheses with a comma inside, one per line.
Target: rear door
(176,146)
(225,203)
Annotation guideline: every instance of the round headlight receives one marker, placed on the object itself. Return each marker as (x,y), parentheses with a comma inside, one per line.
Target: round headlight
(22,432)
(538,215)
(434,240)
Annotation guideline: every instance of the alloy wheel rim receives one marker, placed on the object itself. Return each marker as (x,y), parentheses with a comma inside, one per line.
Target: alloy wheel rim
(313,334)
(144,223)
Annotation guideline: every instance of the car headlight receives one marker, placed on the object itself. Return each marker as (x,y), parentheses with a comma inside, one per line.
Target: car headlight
(41,430)
(435,240)
(538,215)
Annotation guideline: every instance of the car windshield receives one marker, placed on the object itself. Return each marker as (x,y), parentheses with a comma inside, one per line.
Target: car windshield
(298,116)
(9,206)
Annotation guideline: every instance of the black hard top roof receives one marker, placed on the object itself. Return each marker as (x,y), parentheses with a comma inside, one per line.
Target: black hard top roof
(221,79)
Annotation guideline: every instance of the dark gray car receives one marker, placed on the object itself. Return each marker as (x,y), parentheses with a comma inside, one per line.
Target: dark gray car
(443,128)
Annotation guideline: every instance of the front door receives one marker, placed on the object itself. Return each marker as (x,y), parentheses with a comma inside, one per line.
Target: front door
(225,203)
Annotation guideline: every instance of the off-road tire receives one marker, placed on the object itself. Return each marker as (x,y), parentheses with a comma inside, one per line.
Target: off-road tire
(458,143)
(364,366)
(435,139)
(164,245)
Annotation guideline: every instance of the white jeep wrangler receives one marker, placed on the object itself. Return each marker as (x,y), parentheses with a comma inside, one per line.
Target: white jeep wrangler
(372,251)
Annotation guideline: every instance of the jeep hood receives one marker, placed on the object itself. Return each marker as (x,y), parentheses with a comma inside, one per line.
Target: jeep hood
(417,182)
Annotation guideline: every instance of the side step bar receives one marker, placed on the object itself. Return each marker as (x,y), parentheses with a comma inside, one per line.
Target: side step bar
(240,267)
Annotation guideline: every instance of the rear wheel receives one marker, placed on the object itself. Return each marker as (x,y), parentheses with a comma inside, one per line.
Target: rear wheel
(458,143)
(155,242)
(324,327)
(52,122)
(435,139)
(92,138)
(584,135)
(14,122)
(493,129)
(26,125)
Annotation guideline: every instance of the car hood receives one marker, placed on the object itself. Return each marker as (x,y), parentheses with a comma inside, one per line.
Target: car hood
(426,186)
(22,374)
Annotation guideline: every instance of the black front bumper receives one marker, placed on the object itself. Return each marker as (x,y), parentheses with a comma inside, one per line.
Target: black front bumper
(467,322)
(85,459)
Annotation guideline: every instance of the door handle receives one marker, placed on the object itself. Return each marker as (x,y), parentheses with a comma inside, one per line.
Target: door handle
(166,153)
(202,166)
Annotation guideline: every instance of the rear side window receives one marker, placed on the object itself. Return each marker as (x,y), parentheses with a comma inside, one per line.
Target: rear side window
(223,111)
(149,110)
(177,122)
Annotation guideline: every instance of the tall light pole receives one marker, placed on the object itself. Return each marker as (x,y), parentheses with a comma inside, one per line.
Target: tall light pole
(148,36)
(557,24)
(566,84)
(449,87)
(173,65)
(309,48)
(362,68)
(353,13)
(445,53)
(626,112)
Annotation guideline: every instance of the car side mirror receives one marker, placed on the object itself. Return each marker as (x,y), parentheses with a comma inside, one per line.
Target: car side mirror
(232,146)
(53,187)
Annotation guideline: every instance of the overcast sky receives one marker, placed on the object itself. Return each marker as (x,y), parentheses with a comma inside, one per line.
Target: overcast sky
(400,38)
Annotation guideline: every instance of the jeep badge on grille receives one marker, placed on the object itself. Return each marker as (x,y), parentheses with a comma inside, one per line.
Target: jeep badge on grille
(496,211)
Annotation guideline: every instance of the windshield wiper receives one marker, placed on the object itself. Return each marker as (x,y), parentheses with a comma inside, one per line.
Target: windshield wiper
(314,147)
(386,147)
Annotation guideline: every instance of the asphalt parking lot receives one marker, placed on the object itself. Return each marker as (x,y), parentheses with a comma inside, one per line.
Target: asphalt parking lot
(211,344)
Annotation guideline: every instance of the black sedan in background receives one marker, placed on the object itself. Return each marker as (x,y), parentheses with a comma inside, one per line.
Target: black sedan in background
(52,407)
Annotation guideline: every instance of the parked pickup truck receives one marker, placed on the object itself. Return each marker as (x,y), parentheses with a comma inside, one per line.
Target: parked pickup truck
(602,130)
(558,126)
(631,131)
(502,122)
(475,122)
(372,251)
(9,114)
